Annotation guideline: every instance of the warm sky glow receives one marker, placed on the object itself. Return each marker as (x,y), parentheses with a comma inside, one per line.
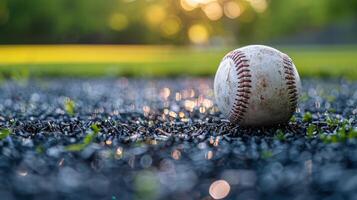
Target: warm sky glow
(169,24)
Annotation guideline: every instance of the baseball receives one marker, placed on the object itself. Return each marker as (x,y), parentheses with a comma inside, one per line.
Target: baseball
(257,85)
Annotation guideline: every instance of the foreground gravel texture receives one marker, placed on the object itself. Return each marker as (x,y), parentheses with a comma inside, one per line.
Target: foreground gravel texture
(165,139)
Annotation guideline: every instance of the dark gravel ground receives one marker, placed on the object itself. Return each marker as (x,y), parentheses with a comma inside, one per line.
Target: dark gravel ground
(165,139)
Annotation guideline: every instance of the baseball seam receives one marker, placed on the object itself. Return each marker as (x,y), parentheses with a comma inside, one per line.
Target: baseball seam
(240,104)
(290,82)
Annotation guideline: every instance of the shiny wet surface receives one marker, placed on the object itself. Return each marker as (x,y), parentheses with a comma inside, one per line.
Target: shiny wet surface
(161,139)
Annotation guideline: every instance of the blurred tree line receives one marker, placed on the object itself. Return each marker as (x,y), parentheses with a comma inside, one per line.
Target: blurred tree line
(166,21)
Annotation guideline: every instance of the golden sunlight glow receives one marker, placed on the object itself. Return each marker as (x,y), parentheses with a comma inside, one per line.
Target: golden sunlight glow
(190,105)
(188,5)
(232,9)
(219,189)
(118,22)
(192,4)
(172,114)
(155,14)
(48,54)
(259,5)
(213,11)
(198,34)
(171,26)
(166,111)
(207,103)
(119,153)
(181,114)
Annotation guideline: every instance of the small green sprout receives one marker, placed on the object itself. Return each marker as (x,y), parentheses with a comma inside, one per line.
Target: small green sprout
(328,139)
(280,135)
(311,130)
(86,141)
(95,128)
(332,122)
(341,135)
(293,119)
(69,106)
(4,133)
(307,117)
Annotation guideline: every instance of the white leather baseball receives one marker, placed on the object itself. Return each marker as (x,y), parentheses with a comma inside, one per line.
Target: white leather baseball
(257,85)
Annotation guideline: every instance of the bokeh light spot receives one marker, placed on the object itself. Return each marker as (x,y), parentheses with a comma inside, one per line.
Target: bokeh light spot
(146,110)
(188,5)
(165,93)
(213,11)
(259,5)
(119,153)
(198,34)
(219,189)
(155,14)
(171,26)
(232,9)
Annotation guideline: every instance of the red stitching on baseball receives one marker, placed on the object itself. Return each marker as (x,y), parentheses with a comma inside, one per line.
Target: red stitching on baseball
(290,87)
(245,75)
(244,81)
(242,71)
(290,82)
(244,85)
(244,90)
(240,105)
(240,66)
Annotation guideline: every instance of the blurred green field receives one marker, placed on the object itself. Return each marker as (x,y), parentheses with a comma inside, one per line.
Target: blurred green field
(157,61)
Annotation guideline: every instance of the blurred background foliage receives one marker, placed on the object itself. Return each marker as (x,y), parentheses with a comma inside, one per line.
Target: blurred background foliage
(320,36)
(214,22)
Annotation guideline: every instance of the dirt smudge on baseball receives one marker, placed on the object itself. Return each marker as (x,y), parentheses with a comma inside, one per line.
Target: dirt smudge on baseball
(264,82)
